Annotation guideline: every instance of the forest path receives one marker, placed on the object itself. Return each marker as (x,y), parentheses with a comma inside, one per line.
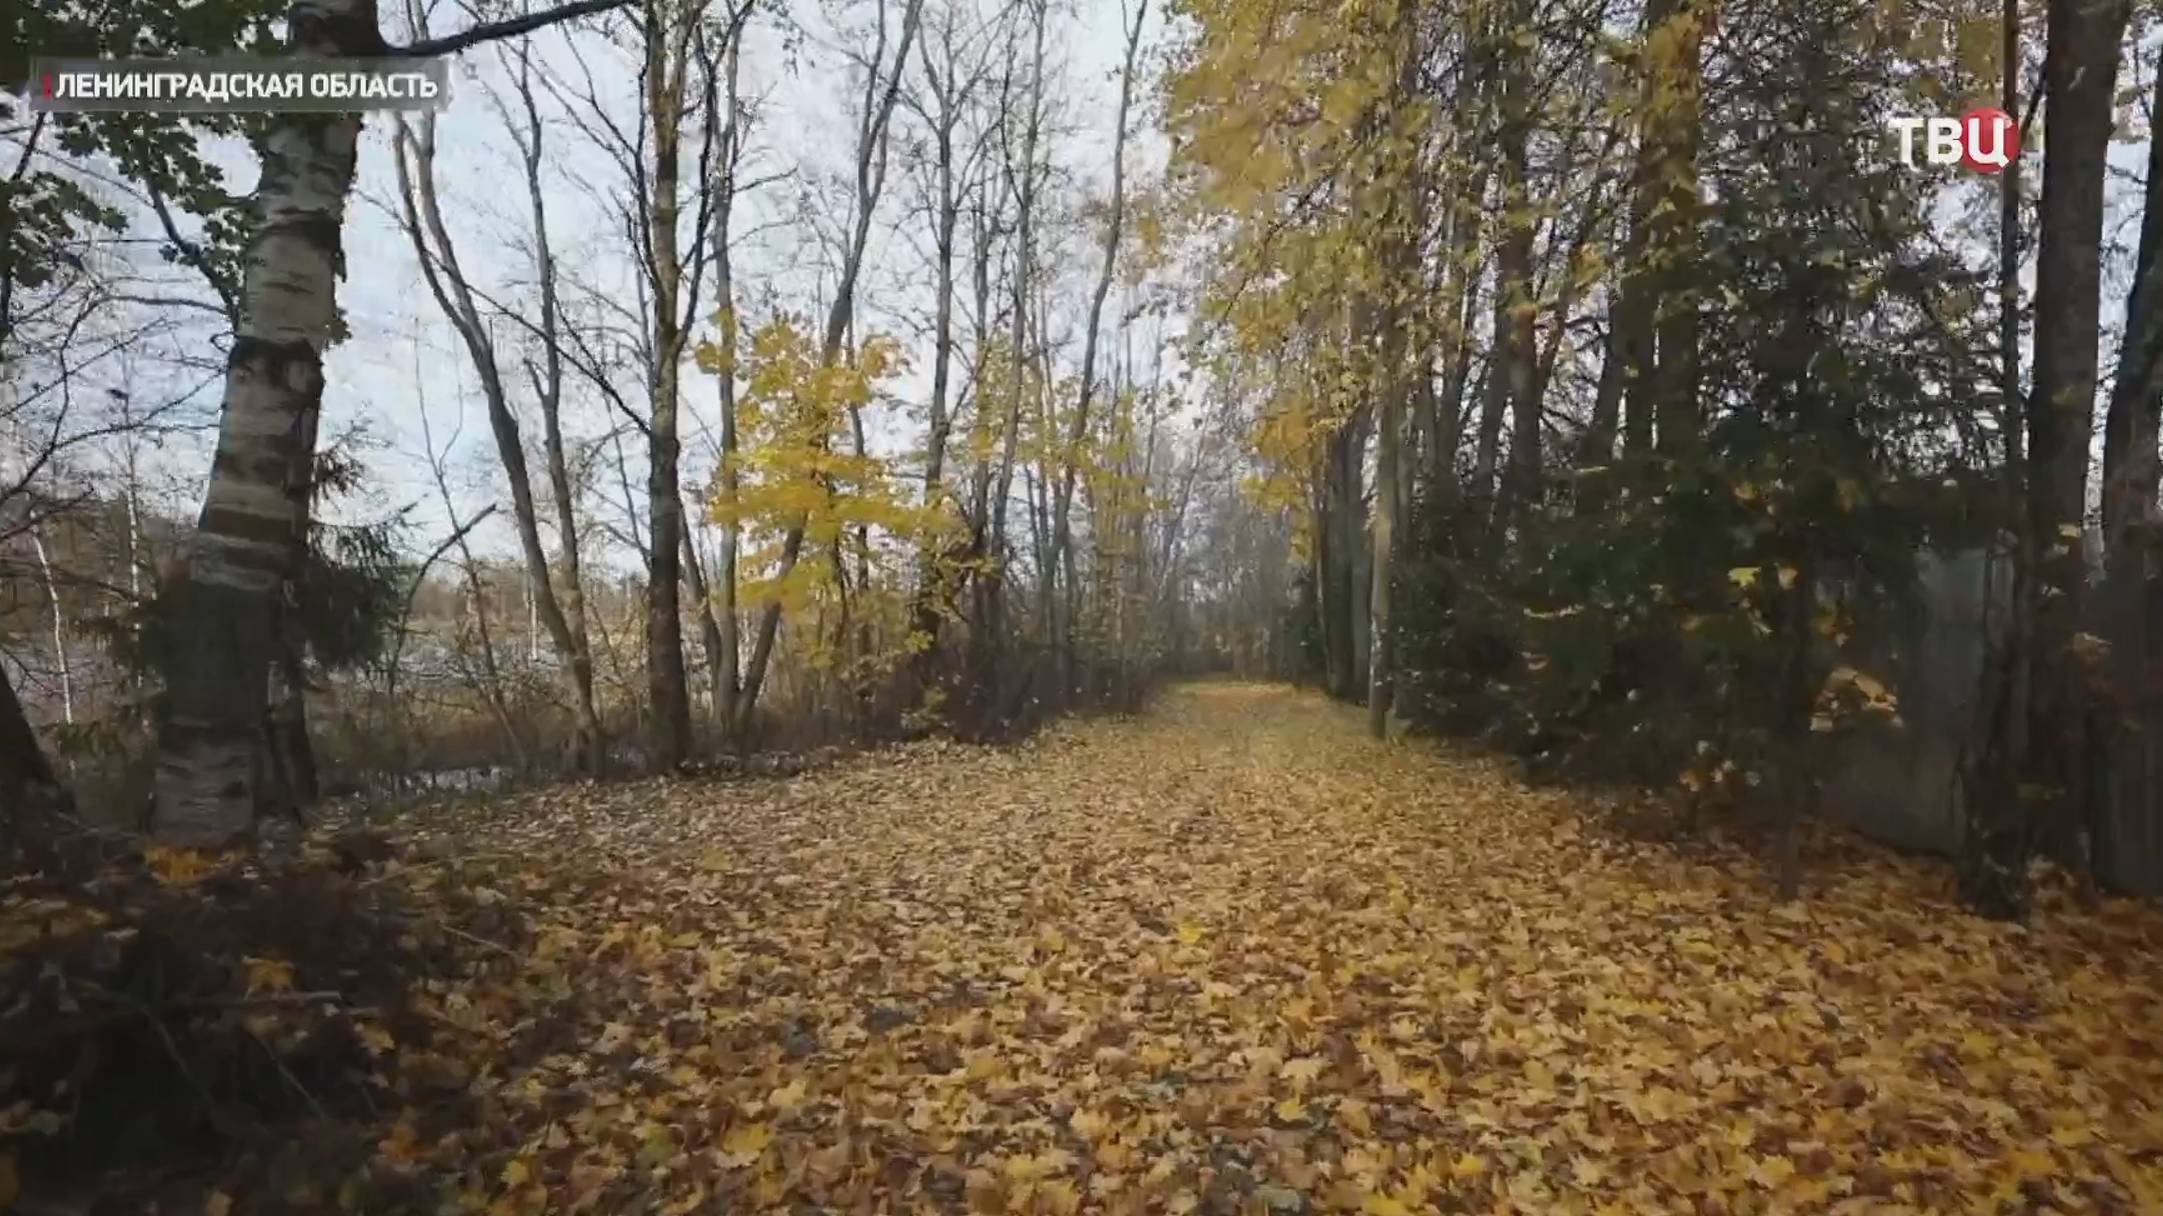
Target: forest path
(1231,955)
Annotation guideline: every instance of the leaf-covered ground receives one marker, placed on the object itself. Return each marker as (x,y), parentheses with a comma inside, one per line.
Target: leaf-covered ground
(1233,956)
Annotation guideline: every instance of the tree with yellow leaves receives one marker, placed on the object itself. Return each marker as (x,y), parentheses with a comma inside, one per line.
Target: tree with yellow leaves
(795,486)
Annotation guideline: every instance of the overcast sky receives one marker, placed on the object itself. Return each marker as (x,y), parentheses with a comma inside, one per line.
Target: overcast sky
(403,357)
(403,377)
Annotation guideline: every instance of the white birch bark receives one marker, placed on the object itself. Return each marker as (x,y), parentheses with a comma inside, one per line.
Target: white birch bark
(253,527)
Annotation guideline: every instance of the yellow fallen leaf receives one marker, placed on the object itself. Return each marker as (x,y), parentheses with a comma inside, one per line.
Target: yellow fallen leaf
(268,974)
(2032,1163)
(1771,1172)
(1089,1124)
(178,867)
(788,1097)
(1189,932)
(744,1143)
(1302,1071)
(1468,1167)
(1383,1205)
(1291,1110)
(1059,1196)
(1354,1115)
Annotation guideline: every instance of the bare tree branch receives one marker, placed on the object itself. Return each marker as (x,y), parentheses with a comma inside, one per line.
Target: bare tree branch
(451,44)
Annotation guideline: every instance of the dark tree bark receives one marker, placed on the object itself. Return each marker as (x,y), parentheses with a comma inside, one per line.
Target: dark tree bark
(1630,341)
(667,39)
(1674,378)
(1516,308)
(24,771)
(949,86)
(2128,845)
(2081,79)
(415,159)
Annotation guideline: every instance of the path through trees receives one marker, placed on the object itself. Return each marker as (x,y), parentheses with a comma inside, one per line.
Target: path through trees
(1234,956)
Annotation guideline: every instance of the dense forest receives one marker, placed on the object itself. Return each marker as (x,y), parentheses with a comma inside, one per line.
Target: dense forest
(716,391)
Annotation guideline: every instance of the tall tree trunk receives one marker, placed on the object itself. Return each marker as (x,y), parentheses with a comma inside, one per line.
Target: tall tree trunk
(1331,588)
(2083,54)
(1062,609)
(415,159)
(2128,848)
(1449,408)
(27,783)
(289,740)
(1383,538)
(22,761)
(253,529)
(1495,393)
(990,548)
(694,579)
(61,666)
(667,36)
(1345,600)
(728,662)
(1516,343)
(591,740)
(1358,569)
(1404,221)
(1631,317)
(1674,221)
(1596,450)
(934,581)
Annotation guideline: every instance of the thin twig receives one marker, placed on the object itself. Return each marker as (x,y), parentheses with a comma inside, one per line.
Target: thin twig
(455,931)
(287,1073)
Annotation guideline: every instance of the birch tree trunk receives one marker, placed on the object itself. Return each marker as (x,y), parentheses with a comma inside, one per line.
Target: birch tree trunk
(60,627)
(252,532)
(253,528)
